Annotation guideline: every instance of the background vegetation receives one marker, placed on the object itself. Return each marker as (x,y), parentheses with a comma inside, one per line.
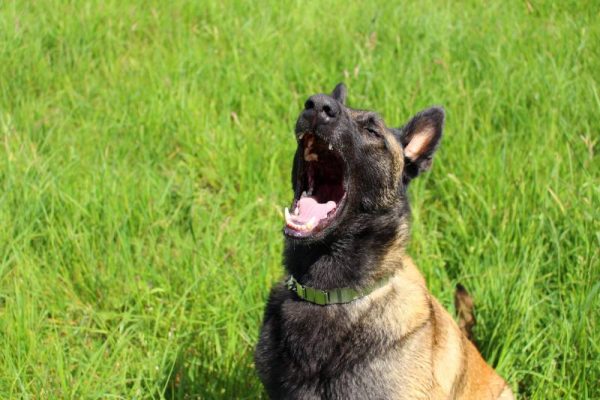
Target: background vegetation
(145,151)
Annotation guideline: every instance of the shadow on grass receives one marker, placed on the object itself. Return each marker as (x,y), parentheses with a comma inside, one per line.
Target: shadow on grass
(191,378)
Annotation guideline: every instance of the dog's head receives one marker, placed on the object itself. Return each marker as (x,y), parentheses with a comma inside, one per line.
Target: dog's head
(351,171)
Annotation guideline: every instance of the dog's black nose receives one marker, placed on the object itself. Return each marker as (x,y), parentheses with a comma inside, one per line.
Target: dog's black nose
(320,109)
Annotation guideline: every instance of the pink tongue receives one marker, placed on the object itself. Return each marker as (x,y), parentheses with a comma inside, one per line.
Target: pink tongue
(309,207)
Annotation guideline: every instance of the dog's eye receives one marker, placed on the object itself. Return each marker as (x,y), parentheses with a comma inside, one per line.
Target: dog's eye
(373,131)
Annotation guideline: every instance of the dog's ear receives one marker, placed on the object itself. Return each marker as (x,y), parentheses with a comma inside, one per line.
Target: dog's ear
(420,138)
(339,93)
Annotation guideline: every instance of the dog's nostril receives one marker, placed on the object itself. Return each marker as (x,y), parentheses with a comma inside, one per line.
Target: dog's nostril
(327,109)
(321,109)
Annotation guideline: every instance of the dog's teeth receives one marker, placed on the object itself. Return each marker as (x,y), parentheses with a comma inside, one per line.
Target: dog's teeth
(303,194)
(330,146)
(287,214)
(311,224)
(308,156)
(297,211)
(301,136)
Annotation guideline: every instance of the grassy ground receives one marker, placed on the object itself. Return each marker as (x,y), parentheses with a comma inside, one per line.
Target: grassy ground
(145,152)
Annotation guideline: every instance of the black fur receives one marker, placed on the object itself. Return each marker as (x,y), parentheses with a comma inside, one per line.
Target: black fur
(308,351)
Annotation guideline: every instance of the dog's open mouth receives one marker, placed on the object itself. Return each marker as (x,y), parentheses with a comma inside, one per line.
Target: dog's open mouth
(320,188)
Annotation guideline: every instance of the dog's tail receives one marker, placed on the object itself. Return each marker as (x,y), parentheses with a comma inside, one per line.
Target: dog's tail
(463,302)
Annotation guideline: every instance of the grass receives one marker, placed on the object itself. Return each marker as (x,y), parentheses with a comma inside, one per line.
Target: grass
(145,152)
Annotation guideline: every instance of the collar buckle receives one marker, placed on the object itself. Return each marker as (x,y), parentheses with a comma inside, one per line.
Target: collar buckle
(289,284)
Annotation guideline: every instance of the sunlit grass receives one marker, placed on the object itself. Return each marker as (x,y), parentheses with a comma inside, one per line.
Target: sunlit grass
(145,153)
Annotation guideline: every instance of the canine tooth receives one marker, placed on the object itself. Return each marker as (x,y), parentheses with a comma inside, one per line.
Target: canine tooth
(330,146)
(303,194)
(311,223)
(287,214)
(301,136)
(308,156)
(297,210)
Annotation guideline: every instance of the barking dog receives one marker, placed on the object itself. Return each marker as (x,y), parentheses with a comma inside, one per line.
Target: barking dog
(355,320)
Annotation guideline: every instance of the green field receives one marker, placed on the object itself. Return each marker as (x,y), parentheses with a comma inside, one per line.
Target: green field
(145,154)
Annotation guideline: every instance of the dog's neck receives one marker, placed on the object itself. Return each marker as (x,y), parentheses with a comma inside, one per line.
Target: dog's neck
(353,259)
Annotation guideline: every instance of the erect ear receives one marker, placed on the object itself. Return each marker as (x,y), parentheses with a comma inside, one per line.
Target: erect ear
(339,93)
(420,138)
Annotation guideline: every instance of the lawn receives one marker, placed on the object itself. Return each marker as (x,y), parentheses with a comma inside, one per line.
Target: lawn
(145,154)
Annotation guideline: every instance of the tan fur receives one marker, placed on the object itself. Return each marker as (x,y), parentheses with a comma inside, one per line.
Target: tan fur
(440,361)
(397,153)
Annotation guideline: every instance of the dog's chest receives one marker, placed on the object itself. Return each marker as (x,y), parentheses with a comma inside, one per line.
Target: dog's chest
(336,352)
(325,340)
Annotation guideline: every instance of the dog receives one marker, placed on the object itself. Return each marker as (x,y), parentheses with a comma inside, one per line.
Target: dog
(354,319)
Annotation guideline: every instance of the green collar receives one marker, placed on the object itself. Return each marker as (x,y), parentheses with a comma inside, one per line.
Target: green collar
(333,296)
